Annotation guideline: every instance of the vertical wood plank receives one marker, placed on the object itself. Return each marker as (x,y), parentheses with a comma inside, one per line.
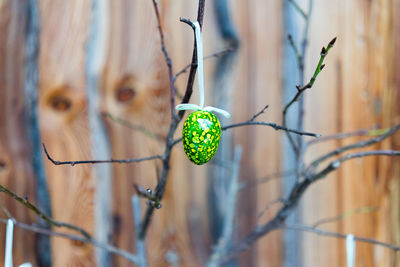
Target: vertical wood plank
(64,121)
(135,88)
(353,92)
(16,171)
(96,52)
(256,82)
(322,115)
(394,183)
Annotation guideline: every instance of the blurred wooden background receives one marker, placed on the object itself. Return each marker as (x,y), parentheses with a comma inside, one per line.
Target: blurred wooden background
(99,56)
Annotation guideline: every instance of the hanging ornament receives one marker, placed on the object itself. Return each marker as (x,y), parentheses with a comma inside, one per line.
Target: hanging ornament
(201,131)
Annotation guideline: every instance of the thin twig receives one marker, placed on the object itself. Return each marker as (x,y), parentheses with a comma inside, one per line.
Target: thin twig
(266,179)
(317,231)
(292,200)
(44,231)
(73,163)
(160,188)
(213,55)
(320,66)
(29,205)
(360,144)
(299,9)
(259,113)
(344,215)
(337,163)
(167,60)
(277,127)
(193,67)
(299,56)
(300,90)
(269,205)
(339,136)
(132,126)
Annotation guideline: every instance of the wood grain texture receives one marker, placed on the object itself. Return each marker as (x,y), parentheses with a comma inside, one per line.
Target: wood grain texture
(353,92)
(16,171)
(64,123)
(257,85)
(135,68)
(358,88)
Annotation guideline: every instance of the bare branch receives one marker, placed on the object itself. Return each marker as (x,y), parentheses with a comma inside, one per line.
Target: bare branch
(292,200)
(167,59)
(266,179)
(29,205)
(160,188)
(317,231)
(44,231)
(299,56)
(337,163)
(360,144)
(132,126)
(269,205)
(213,55)
(344,215)
(320,66)
(374,131)
(73,163)
(193,67)
(259,113)
(299,9)
(273,125)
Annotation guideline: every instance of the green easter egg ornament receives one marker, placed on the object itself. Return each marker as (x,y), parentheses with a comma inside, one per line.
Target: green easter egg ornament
(201,135)
(201,130)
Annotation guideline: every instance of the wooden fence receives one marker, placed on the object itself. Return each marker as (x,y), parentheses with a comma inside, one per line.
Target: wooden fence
(70,69)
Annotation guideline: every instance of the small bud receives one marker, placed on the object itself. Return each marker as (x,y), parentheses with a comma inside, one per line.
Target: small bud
(332,42)
(298,87)
(323,51)
(322,66)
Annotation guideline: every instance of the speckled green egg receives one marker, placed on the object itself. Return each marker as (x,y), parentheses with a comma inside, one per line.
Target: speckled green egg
(201,134)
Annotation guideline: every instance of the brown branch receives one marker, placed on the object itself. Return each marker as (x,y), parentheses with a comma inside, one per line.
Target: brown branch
(160,188)
(29,205)
(292,200)
(44,231)
(73,163)
(167,60)
(317,231)
(277,127)
(193,67)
